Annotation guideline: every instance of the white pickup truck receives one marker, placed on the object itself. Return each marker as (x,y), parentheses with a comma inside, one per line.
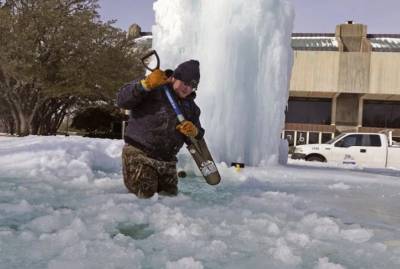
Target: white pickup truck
(375,150)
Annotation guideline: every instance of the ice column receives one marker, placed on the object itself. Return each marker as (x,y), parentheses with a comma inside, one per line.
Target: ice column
(244,49)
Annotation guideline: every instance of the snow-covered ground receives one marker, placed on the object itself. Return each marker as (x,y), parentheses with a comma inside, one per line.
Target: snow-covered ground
(63,205)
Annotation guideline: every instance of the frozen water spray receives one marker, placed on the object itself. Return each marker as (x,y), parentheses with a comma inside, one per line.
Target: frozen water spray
(245,55)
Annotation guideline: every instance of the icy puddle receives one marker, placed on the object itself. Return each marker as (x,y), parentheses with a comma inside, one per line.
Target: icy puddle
(67,208)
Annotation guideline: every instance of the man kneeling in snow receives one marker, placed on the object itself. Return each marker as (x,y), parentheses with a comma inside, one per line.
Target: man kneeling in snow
(154,136)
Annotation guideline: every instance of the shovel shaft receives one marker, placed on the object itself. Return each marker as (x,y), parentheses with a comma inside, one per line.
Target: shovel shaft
(174,105)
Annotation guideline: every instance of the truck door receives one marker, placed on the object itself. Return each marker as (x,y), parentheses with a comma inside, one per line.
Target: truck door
(360,149)
(372,151)
(346,150)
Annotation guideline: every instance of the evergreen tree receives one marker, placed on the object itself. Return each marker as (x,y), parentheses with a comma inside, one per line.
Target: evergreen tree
(55,53)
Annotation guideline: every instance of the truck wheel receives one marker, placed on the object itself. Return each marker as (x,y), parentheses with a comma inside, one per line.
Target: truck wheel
(315,159)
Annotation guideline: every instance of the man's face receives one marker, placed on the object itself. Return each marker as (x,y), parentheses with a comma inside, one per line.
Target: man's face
(181,89)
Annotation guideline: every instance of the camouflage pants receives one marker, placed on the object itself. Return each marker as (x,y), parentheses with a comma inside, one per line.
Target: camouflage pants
(145,176)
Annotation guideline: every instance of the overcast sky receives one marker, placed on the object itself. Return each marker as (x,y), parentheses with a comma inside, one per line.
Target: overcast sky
(318,16)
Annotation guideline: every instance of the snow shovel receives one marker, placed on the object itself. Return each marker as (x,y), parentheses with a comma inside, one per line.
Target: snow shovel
(197,148)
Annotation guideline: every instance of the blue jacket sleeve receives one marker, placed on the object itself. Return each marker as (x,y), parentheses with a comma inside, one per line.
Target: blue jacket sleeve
(131,95)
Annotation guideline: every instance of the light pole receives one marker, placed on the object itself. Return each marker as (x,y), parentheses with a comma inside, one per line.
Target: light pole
(67,133)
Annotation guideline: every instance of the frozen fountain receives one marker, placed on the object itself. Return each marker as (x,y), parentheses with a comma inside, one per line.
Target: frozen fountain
(244,48)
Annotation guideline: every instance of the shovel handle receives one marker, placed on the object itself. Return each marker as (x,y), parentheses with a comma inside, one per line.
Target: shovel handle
(148,55)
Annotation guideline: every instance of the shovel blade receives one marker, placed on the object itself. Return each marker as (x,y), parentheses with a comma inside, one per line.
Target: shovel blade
(204,161)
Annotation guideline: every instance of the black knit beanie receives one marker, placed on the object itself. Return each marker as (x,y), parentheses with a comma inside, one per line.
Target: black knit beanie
(189,73)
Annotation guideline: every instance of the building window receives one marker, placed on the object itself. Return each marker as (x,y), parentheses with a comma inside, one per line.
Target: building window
(325,137)
(314,138)
(289,136)
(309,110)
(301,138)
(381,114)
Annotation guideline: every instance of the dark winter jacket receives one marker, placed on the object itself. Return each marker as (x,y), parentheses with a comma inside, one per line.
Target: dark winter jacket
(152,122)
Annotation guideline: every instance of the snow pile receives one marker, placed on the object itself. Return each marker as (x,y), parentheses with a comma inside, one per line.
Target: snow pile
(246,56)
(315,41)
(70,158)
(281,217)
(385,42)
(323,263)
(339,186)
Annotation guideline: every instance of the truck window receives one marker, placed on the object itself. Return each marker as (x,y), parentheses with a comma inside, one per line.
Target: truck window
(349,141)
(371,141)
(333,140)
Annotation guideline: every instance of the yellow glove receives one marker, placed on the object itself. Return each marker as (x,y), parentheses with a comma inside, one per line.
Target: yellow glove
(187,128)
(154,80)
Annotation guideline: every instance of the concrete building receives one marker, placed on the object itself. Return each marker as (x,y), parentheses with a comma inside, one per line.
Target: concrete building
(346,81)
